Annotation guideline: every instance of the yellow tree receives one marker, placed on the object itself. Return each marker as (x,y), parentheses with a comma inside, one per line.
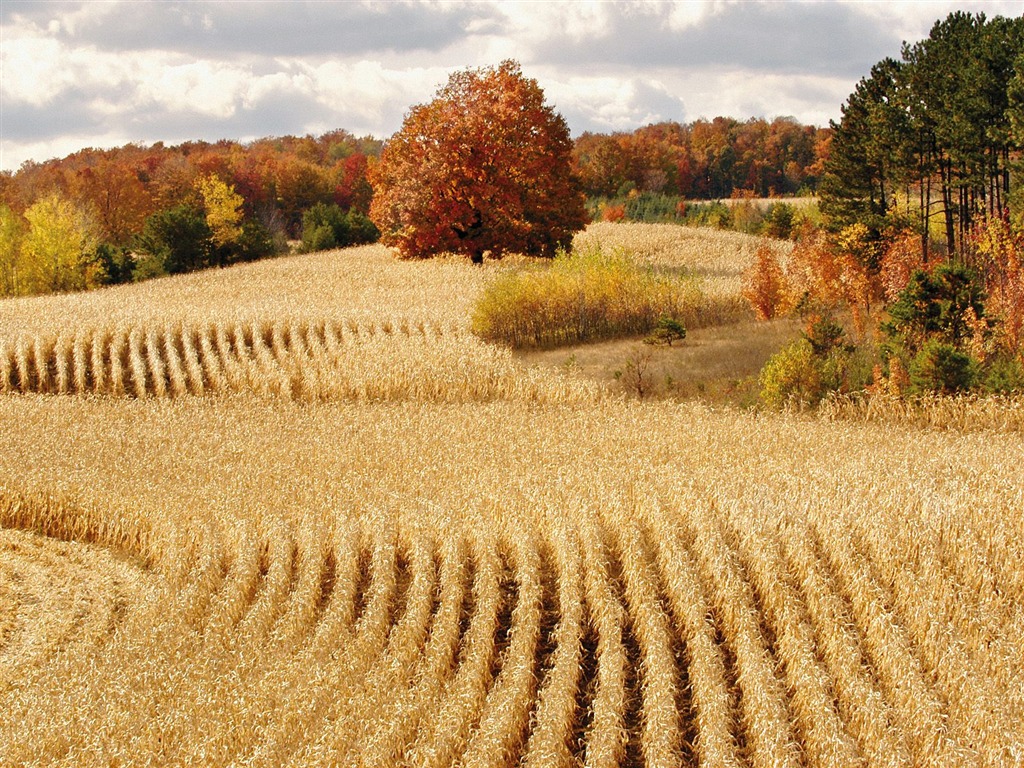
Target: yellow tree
(11,233)
(223,208)
(58,251)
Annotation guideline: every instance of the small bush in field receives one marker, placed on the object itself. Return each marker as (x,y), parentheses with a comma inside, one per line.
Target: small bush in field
(764,285)
(582,296)
(666,331)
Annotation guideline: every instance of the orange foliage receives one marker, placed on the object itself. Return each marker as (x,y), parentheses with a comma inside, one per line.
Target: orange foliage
(901,258)
(832,270)
(613,212)
(278,178)
(485,166)
(999,252)
(119,198)
(764,285)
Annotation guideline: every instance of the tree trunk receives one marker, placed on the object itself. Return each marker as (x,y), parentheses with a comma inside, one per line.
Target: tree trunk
(947,204)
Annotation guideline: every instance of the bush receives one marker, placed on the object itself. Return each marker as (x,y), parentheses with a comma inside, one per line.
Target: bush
(764,285)
(652,208)
(256,242)
(941,368)
(667,330)
(937,304)
(817,364)
(178,238)
(792,374)
(717,215)
(324,226)
(116,263)
(1005,376)
(361,229)
(779,221)
(581,297)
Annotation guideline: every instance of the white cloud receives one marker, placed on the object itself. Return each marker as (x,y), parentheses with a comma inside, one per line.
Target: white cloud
(689,13)
(612,104)
(34,69)
(214,89)
(95,72)
(531,22)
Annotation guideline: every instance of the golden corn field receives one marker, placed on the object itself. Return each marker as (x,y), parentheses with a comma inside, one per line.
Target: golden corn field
(248,528)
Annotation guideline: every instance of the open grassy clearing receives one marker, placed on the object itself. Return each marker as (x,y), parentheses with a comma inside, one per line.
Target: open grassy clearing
(719,364)
(419,550)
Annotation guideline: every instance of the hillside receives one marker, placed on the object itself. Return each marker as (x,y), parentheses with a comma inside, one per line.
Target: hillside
(378,541)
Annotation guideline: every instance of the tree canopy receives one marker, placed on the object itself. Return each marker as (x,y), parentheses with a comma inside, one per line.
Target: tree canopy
(933,138)
(484,167)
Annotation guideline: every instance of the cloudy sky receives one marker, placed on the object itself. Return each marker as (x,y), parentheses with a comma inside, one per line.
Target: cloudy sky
(103,73)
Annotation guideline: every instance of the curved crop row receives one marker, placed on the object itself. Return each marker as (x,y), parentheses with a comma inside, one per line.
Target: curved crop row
(323,360)
(669,632)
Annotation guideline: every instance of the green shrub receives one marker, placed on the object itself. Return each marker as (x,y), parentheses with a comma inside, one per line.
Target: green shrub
(716,214)
(941,368)
(779,221)
(326,226)
(652,208)
(1005,376)
(817,364)
(179,239)
(255,242)
(116,263)
(936,305)
(583,296)
(667,330)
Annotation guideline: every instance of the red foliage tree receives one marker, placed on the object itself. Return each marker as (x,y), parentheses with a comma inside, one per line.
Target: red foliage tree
(485,166)
(119,198)
(764,285)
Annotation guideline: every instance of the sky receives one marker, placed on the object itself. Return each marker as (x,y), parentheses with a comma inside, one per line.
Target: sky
(103,73)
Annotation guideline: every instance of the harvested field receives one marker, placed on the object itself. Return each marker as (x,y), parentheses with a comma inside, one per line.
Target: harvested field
(506,566)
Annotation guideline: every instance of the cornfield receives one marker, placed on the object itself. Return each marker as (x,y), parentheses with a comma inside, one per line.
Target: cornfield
(542,574)
(291,359)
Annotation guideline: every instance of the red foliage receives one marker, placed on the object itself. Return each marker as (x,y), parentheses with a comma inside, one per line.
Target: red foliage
(613,212)
(353,190)
(483,167)
(764,285)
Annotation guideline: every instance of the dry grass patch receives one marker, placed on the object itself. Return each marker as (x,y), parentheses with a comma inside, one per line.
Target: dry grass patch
(719,364)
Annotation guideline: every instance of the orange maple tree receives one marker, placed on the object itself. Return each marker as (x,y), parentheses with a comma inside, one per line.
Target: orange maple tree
(484,167)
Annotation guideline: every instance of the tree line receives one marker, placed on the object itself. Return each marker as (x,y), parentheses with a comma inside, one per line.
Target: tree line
(931,141)
(108,216)
(111,215)
(922,244)
(704,159)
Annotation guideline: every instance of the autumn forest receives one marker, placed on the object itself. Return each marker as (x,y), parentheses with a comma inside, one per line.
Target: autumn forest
(141,198)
